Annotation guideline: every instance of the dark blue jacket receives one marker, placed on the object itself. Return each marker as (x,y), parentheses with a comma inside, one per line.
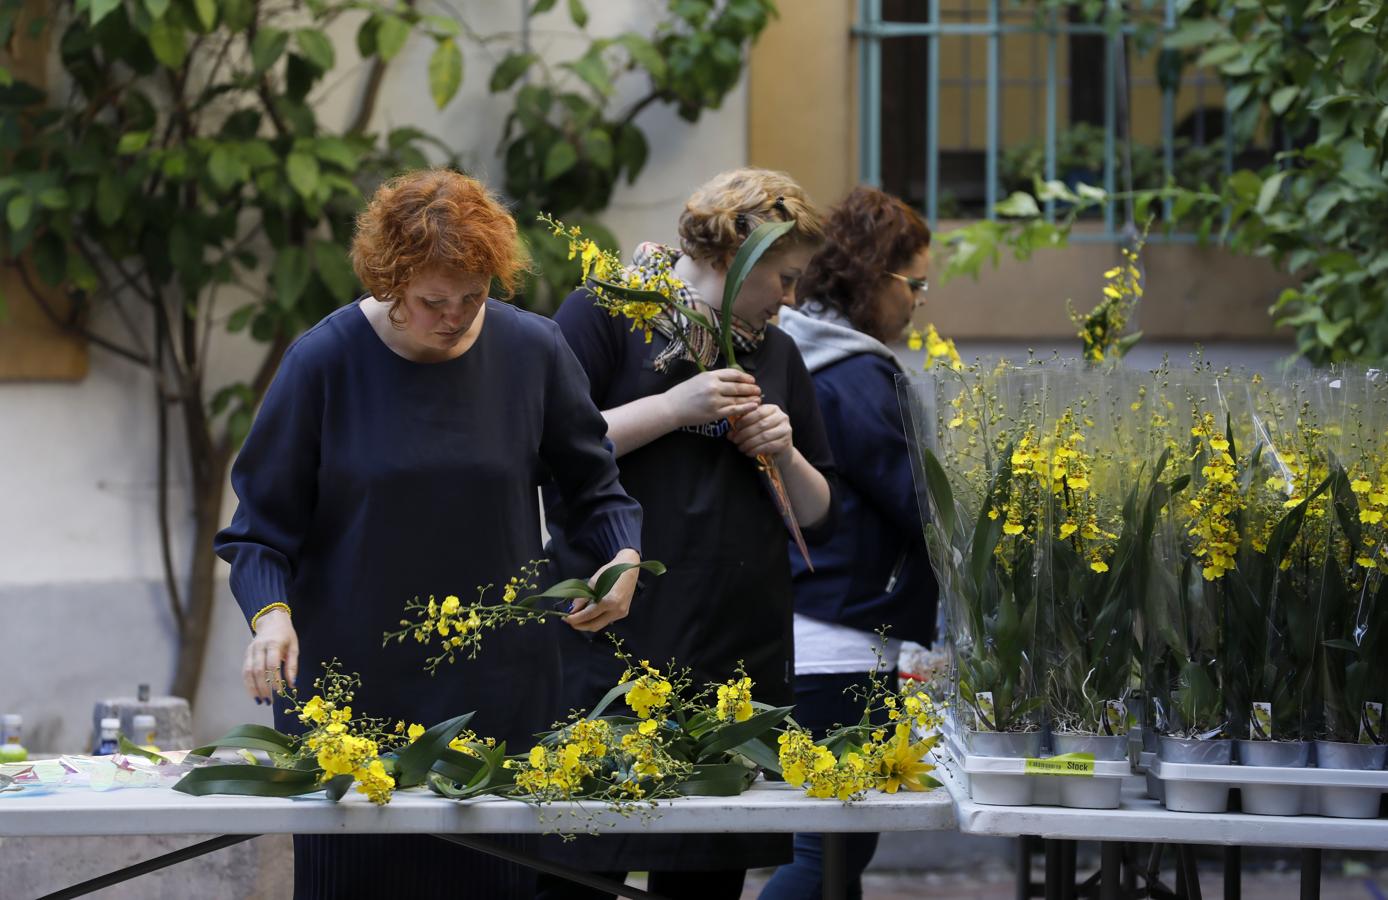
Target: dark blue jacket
(873,570)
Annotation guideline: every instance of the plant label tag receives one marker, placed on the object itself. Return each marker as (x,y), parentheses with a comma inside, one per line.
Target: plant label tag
(984,712)
(1116,716)
(1080,764)
(1371,723)
(1260,721)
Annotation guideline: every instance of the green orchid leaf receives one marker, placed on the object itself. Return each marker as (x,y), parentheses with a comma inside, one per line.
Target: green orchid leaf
(752,250)
(249,781)
(414,761)
(250,737)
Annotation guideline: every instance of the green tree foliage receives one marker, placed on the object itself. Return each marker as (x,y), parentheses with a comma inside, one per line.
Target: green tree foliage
(1321,210)
(180,155)
(570,139)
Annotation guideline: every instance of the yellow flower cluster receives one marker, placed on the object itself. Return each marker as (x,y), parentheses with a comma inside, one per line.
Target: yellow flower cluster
(454,628)
(1215,507)
(735,700)
(938,350)
(558,771)
(1371,489)
(601,265)
(465,740)
(651,692)
(885,764)
(1057,465)
(336,749)
(1102,328)
(648,760)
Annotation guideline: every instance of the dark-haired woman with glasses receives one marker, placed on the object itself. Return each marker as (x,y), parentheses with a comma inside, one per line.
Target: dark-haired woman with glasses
(856,296)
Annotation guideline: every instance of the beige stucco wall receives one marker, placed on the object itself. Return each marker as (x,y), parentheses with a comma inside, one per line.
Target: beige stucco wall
(801,90)
(1194,294)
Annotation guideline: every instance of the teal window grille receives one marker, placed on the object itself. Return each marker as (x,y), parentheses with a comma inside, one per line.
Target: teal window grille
(901,85)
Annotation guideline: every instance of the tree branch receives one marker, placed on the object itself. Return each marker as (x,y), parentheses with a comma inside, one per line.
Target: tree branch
(371,93)
(74,328)
(161,401)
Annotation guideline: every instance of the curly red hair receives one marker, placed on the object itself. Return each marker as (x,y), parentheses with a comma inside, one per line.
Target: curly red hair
(433,218)
(868,235)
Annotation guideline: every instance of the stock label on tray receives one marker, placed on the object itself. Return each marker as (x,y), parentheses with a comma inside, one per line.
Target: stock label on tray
(1081,764)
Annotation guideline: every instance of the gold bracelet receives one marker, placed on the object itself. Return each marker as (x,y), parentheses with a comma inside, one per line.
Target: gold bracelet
(256,618)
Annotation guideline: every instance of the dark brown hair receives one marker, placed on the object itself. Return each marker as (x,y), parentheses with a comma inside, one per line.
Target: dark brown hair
(433,218)
(868,235)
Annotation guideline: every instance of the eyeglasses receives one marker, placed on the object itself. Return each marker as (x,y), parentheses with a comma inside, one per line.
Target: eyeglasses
(918,285)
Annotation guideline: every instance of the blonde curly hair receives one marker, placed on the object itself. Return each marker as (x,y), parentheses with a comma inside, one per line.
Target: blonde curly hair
(719,215)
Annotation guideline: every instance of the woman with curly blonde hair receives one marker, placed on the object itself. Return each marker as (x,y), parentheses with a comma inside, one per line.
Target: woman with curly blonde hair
(397,454)
(687,430)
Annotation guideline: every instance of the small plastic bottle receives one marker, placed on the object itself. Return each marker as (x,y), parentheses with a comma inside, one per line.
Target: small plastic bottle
(144,727)
(110,737)
(12,750)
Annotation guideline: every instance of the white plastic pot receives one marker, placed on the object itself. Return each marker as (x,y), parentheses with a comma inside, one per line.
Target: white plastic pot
(1093,792)
(998,789)
(1273,799)
(1349,802)
(1196,796)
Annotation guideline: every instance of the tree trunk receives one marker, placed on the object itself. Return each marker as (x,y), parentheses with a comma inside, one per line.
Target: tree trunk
(202,587)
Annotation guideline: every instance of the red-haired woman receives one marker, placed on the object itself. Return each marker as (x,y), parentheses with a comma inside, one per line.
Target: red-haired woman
(398,454)
(857,294)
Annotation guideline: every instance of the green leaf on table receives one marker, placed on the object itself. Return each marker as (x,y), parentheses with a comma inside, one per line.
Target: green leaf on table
(760,751)
(579,13)
(717,780)
(445,72)
(414,761)
(249,781)
(338,786)
(127,747)
(250,737)
(726,737)
(609,698)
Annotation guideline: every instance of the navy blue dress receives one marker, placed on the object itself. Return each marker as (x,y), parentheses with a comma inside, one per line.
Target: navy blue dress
(726,597)
(368,479)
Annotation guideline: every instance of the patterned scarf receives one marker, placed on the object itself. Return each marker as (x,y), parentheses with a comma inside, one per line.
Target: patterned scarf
(687,340)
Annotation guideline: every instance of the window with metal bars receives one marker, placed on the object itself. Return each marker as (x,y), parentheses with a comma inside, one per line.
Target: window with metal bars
(962,102)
